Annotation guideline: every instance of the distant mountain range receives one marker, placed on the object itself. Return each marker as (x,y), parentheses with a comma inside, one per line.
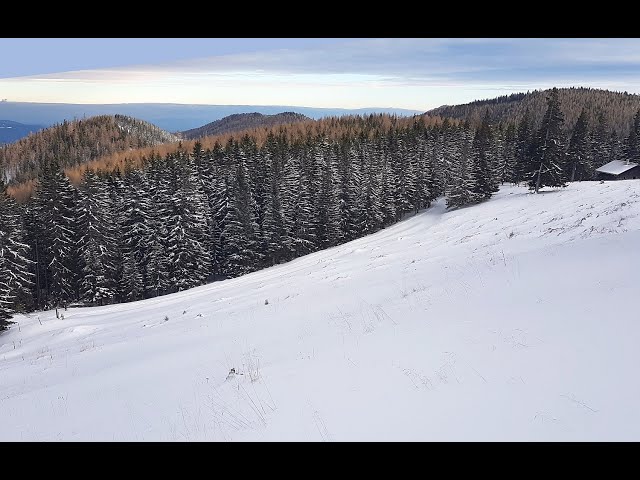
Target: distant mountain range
(11,131)
(168,116)
(242,121)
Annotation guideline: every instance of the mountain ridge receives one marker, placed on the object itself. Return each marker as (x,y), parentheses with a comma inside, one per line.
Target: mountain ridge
(172,117)
(242,121)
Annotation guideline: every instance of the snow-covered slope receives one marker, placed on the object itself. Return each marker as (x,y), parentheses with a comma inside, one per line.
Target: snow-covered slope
(517,319)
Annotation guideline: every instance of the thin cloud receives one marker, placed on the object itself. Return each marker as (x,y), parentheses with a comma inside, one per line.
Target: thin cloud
(371,69)
(424,59)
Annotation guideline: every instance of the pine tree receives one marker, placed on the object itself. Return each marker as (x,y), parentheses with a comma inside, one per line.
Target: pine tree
(549,155)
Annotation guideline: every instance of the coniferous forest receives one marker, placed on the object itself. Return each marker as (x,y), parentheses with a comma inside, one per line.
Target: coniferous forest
(190,217)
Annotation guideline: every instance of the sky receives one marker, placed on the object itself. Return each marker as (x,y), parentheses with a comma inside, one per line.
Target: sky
(412,73)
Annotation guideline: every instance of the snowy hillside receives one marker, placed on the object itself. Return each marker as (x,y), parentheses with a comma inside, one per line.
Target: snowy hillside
(517,319)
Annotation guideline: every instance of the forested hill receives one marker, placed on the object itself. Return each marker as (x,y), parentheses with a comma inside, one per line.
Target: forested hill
(329,127)
(618,108)
(242,121)
(77,142)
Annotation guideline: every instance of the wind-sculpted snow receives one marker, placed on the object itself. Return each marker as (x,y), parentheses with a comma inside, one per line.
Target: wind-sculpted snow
(516,319)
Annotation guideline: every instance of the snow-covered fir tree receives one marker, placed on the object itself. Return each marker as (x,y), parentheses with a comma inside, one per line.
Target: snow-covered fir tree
(96,245)
(55,206)
(187,232)
(485,183)
(549,152)
(240,234)
(462,182)
(15,277)
(579,165)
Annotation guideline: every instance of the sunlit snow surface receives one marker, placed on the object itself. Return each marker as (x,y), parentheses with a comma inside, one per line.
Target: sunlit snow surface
(517,319)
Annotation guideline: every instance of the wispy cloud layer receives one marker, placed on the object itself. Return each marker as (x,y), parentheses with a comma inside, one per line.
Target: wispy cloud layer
(410,73)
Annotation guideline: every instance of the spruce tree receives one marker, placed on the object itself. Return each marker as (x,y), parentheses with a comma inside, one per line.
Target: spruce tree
(484,181)
(297,206)
(136,232)
(369,208)
(462,182)
(97,245)
(349,179)
(524,149)
(387,198)
(549,156)
(273,229)
(56,208)
(239,237)
(579,164)
(132,285)
(423,174)
(187,232)
(328,229)
(15,277)
(601,145)
(157,265)
(508,161)
(632,143)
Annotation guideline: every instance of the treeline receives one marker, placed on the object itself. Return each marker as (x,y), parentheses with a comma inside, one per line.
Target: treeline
(190,217)
(76,142)
(618,108)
